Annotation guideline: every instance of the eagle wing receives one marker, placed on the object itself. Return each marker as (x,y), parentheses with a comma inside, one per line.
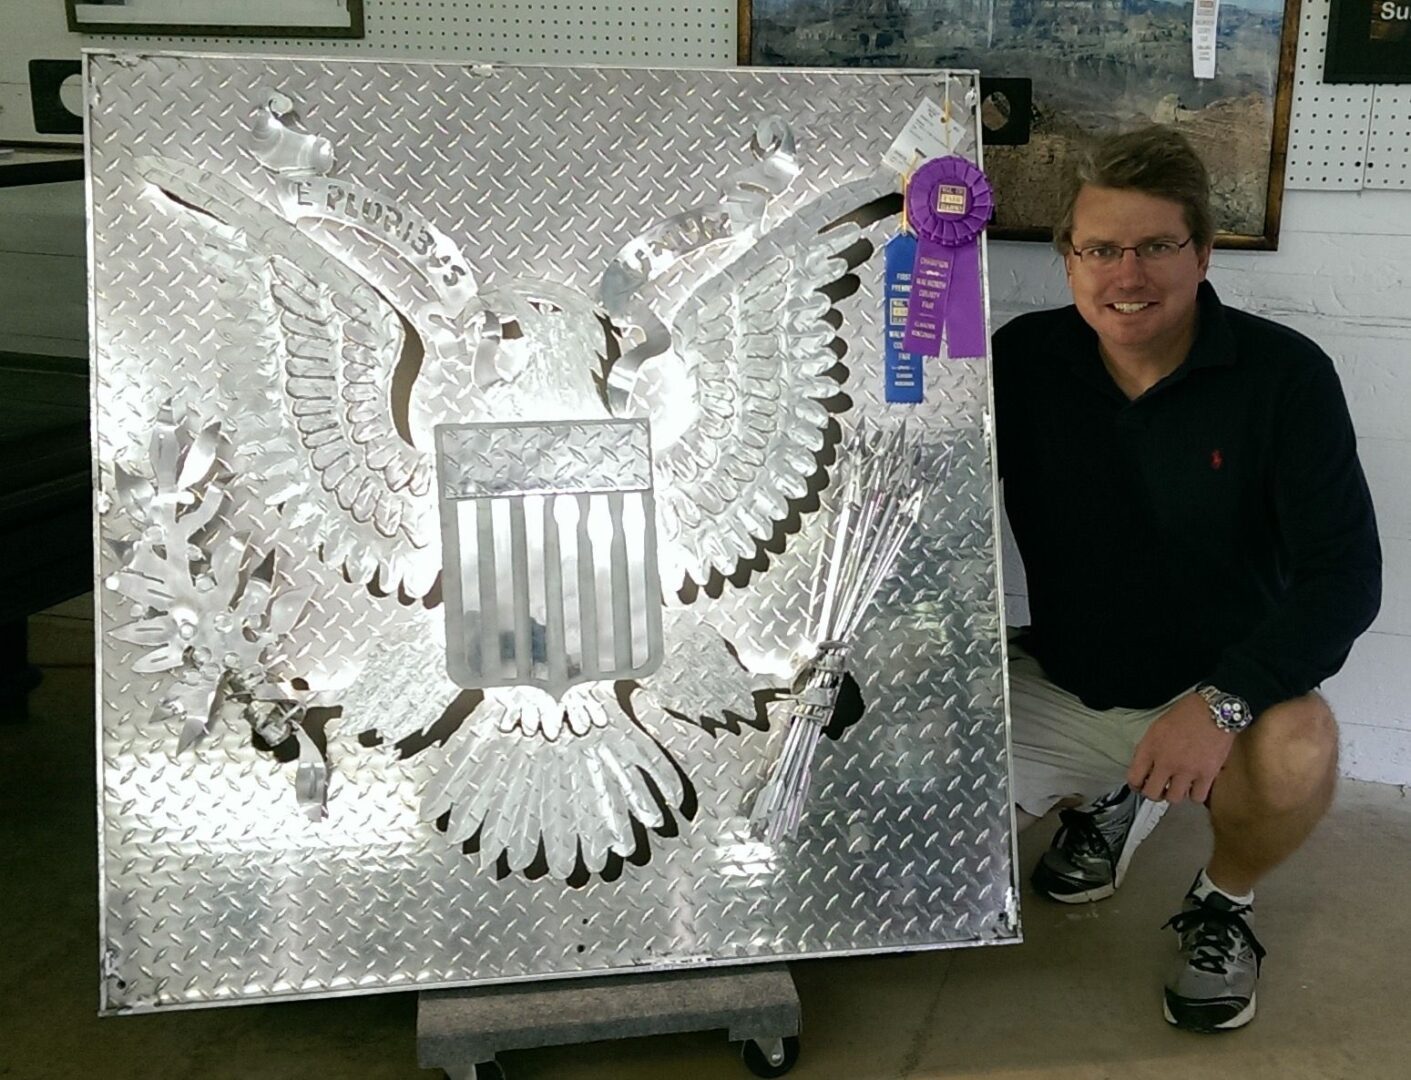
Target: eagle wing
(324,345)
(752,348)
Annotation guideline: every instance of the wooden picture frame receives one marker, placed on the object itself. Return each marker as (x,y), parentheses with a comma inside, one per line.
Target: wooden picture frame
(208,18)
(1238,121)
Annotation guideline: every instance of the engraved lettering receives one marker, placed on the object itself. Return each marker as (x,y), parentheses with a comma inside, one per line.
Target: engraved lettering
(950,199)
(301,193)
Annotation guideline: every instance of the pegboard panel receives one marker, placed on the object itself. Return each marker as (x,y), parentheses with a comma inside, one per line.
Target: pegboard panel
(1328,130)
(1389,147)
(1341,137)
(612,32)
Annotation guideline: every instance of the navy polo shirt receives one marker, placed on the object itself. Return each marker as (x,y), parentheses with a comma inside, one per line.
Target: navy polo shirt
(1217,528)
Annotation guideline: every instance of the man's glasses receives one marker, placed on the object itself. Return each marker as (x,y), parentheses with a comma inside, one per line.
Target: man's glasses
(1108,255)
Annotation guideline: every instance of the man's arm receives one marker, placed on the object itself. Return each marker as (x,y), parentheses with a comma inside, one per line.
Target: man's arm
(1008,345)
(1329,533)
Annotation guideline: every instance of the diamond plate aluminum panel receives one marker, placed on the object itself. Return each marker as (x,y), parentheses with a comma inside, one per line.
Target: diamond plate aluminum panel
(558,458)
(484,836)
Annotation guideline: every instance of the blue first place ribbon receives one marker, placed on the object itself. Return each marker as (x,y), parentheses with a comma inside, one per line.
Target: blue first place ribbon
(904,372)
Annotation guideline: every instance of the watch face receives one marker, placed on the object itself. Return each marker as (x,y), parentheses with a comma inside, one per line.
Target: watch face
(1229,712)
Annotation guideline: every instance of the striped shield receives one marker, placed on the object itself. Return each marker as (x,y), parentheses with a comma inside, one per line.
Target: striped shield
(549,549)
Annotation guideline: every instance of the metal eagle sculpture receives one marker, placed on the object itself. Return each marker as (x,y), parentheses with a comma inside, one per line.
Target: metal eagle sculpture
(362,330)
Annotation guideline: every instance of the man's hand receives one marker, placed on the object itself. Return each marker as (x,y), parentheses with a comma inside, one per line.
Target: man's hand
(1181,753)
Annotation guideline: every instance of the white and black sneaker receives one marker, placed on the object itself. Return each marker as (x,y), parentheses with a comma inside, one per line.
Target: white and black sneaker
(1093,848)
(1212,987)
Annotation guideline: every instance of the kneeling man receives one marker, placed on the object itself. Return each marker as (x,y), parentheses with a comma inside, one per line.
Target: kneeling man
(1183,484)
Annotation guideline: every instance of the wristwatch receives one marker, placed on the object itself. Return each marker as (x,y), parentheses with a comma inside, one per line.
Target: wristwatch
(1229,712)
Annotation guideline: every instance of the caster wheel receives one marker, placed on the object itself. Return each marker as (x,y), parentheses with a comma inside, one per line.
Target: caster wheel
(771,1057)
(486,1070)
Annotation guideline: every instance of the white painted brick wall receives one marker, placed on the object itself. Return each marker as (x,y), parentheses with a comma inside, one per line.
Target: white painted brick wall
(1342,275)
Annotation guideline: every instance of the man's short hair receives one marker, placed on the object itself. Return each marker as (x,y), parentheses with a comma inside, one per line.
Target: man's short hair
(1155,160)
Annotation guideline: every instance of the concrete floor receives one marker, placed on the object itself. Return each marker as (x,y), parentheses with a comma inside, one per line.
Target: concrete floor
(1080,1000)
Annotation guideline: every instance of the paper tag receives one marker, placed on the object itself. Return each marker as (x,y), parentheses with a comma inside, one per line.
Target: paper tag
(903,369)
(926,135)
(1205,17)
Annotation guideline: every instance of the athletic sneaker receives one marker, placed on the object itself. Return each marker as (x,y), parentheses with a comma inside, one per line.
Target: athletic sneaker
(1090,854)
(1212,988)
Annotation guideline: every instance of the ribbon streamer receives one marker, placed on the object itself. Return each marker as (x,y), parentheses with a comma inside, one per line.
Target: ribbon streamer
(387,219)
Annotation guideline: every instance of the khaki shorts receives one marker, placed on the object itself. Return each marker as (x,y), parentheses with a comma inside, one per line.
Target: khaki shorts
(1060,746)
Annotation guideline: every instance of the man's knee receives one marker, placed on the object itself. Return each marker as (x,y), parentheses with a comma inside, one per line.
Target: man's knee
(1290,752)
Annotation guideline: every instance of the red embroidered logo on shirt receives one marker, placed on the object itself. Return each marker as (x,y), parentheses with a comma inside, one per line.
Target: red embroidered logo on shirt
(1217,459)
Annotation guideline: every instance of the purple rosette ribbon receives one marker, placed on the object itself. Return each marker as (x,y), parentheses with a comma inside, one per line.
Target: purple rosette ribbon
(948,203)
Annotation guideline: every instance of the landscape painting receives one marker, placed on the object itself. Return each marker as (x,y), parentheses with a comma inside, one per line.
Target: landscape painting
(1095,65)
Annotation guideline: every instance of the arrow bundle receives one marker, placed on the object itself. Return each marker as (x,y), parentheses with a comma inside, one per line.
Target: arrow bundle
(885,484)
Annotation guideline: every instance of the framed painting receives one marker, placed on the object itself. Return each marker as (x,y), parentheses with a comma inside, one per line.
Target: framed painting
(1093,67)
(220,18)
(1365,45)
